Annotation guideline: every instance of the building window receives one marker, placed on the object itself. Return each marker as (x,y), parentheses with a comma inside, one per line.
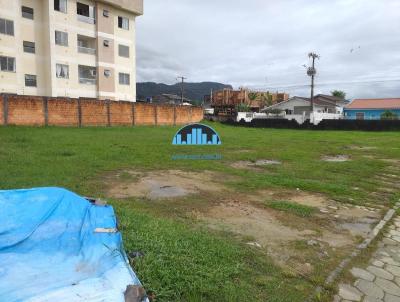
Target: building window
(29,47)
(106,13)
(27,12)
(62,71)
(85,13)
(30,80)
(123,23)
(7,64)
(6,27)
(124,79)
(106,43)
(87,74)
(61,38)
(107,73)
(123,51)
(60,5)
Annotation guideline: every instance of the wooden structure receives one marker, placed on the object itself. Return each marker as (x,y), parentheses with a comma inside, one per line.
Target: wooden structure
(228,101)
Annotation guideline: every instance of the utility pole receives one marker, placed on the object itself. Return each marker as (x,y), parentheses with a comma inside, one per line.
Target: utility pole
(182,88)
(311,71)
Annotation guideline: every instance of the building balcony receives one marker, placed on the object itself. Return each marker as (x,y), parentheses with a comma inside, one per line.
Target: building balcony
(86,19)
(87,75)
(87,81)
(87,50)
(86,45)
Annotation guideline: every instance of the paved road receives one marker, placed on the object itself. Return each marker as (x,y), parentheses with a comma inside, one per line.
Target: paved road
(379,281)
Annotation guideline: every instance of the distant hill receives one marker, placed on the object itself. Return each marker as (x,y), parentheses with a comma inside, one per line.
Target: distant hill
(193,91)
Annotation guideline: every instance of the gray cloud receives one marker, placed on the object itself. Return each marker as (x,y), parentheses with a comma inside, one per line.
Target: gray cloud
(262,44)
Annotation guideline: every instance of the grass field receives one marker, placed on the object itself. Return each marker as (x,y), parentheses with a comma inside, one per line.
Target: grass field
(185,260)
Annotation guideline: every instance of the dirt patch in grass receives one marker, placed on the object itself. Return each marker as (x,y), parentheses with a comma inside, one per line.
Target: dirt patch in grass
(162,184)
(274,218)
(277,232)
(255,165)
(336,239)
(395,162)
(336,158)
(361,148)
(242,151)
(298,196)
(250,221)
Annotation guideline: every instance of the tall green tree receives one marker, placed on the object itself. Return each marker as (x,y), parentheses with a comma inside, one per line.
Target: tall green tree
(339,94)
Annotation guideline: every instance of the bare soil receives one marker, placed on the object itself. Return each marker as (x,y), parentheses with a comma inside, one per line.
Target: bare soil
(251,221)
(245,216)
(256,164)
(361,148)
(336,158)
(163,184)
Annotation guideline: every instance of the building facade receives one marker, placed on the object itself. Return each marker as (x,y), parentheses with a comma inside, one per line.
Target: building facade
(69,48)
(372,109)
(226,101)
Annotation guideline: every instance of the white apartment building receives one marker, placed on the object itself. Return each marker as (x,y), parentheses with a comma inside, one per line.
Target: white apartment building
(69,48)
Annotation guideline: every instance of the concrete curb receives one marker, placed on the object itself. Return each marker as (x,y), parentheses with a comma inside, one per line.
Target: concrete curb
(366,243)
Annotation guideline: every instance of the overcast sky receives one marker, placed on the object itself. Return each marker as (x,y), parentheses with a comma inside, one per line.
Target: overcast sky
(262,44)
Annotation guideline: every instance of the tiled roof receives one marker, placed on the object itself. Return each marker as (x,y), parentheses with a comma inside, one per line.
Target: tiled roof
(374,104)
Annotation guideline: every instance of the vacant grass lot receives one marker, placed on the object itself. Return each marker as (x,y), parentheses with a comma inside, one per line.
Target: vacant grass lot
(185,261)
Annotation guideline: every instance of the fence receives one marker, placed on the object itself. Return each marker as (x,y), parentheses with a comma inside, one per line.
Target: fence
(363,125)
(49,111)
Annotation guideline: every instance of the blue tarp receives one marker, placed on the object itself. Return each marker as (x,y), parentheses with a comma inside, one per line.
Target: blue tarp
(54,246)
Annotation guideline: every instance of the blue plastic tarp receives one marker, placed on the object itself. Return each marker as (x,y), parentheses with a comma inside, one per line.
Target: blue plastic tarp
(55,246)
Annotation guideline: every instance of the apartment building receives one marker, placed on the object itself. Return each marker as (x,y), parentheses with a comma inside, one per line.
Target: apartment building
(69,48)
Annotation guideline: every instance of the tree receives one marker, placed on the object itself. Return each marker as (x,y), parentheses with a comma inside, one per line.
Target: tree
(252,96)
(389,115)
(275,111)
(339,94)
(243,108)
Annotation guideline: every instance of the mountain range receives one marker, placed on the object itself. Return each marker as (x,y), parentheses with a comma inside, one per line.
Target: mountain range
(192,91)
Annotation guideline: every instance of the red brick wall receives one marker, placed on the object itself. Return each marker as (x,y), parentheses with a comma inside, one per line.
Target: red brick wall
(30,111)
(26,111)
(121,113)
(63,112)
(183,115)
(144,114)
(165,115)
(197,114)
(94,112)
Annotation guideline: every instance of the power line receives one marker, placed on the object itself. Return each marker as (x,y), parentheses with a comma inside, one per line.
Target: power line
(182,88)
(331,83)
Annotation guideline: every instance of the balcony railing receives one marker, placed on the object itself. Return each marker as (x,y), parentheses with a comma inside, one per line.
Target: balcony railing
(86,19)
(87,50)
(87,81)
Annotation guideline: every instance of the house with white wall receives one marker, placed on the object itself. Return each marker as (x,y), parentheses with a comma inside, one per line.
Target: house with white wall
(299,109)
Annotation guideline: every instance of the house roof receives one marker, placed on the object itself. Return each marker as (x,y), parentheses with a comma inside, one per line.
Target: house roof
(393,103)
(320,100)
(330,98)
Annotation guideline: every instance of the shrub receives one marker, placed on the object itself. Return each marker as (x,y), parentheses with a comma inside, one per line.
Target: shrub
(389,115)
